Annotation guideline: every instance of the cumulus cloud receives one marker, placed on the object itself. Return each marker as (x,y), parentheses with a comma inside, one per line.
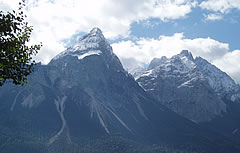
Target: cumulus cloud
(145,49)
(142,51)
(220,7)
(230,64)
(56,20)
(223,6)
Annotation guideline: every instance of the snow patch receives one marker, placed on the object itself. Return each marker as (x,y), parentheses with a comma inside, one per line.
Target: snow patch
(84,46)
(148,73)
(188,64)
(187,83)
(145,74)
(89,53)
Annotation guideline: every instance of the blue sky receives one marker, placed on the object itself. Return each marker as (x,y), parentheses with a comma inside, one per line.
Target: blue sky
(194,26)
(140,30)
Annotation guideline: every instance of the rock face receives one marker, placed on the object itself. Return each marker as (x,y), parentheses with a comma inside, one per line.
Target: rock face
(193,88)
(90,76)
(223,85)
(85,93)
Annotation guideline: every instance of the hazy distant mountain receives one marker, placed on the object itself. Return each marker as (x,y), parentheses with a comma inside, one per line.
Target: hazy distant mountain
(85,94)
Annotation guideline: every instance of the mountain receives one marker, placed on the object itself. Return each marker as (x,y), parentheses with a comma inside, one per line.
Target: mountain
(223,85)
(195,89)
(85,97)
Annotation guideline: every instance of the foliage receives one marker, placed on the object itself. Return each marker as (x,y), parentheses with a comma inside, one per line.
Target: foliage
(15,55)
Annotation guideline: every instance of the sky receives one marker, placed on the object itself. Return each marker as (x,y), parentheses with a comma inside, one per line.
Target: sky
(140,30)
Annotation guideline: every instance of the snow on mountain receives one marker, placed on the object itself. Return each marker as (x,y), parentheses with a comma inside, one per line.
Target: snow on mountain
(193,88)
(90,44)
(95,52)
(136,71)
(184,63)
(181,63)
(223,84)
(177,65)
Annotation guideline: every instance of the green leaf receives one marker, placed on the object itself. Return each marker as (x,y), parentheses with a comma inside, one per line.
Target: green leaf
(16,56)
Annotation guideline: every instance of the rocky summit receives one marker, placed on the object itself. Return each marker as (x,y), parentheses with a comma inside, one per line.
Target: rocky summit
(193,88)
(84,95)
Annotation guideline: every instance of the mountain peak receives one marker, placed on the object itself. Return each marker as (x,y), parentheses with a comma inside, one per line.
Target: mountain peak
(96,30)
(156,62)
(94,36)
(187,54)
(93,43)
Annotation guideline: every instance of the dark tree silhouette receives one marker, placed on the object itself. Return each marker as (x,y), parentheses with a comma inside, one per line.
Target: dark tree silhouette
(15,55)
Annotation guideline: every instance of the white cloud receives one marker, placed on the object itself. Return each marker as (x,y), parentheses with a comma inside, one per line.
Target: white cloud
(213,17)
(223,6)
(145,49)
(56,20)
(8,5)
(230,64)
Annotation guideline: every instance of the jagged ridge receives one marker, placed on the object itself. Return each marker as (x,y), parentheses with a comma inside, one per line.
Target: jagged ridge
(183,75)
